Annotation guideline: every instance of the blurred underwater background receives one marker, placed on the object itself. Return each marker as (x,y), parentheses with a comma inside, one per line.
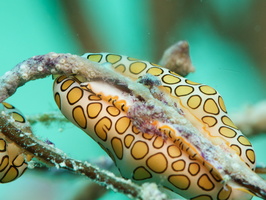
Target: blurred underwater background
(227,47)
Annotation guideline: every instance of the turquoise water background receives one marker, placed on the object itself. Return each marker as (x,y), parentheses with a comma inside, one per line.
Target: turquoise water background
(133,28)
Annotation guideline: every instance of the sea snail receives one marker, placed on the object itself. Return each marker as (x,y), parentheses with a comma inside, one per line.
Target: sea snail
(13,161)
(102,110)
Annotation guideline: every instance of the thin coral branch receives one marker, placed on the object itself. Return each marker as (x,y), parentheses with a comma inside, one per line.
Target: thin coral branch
(260,170)
(47,118)
(78,21)
(252,120)
(91,191)
(55,157)
(177,59)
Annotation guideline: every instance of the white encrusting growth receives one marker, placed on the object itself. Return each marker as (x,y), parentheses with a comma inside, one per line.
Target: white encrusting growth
(150,190)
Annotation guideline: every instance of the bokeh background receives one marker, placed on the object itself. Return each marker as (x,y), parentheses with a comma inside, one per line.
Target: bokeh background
(227,45)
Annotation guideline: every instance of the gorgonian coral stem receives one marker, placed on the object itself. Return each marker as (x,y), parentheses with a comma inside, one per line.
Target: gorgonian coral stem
(42,66)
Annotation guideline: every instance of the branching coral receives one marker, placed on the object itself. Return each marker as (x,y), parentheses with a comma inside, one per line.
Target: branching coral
(254,121)
(177,59)
(148,95)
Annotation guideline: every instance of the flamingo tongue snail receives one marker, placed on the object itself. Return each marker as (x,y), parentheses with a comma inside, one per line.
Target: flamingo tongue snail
(145,145)
(13,161)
